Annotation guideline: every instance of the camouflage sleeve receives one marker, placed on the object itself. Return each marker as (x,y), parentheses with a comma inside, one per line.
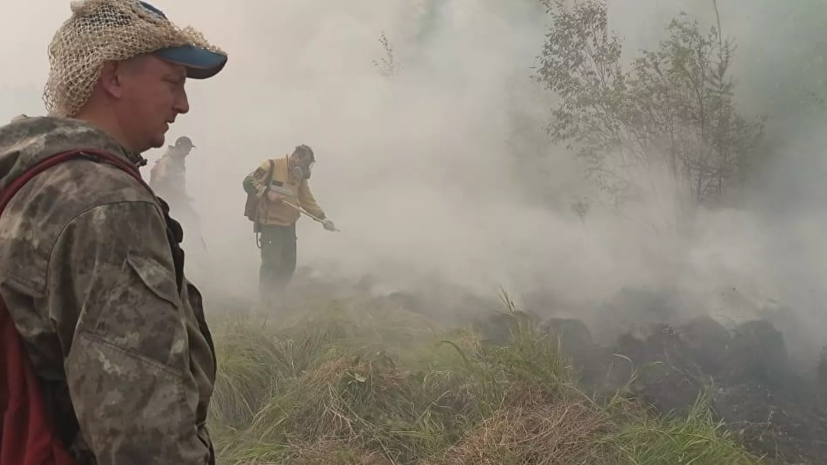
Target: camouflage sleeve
(256,182)
(308,202)
(128,365)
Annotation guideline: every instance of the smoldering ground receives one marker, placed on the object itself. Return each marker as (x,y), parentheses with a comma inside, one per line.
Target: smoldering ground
(443,171)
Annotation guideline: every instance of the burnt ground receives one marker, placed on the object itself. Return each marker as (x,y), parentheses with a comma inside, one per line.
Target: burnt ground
(775,406)
(773,409)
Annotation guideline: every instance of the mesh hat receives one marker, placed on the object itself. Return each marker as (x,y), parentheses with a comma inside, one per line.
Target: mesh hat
(116,30)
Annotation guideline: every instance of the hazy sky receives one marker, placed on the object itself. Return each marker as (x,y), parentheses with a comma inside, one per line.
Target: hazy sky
(418,171)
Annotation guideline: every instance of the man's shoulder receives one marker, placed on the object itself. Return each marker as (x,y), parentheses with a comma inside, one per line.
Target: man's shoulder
(267,166)
(36,217)
(275,162)
(85,183)
(25,144)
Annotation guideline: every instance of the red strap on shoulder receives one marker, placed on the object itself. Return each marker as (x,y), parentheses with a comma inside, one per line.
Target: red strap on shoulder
(7,193)
(27,432)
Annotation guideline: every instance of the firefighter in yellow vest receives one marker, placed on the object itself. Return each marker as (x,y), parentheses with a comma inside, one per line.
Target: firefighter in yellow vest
(280,187)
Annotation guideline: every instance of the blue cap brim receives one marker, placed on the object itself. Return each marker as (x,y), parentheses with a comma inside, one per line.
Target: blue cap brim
(200,63)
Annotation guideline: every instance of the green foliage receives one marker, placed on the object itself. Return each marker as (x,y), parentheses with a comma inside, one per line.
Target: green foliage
(361,383)
(671,113)
(386,65)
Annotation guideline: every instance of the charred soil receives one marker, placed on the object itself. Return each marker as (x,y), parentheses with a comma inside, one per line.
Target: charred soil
(775,410)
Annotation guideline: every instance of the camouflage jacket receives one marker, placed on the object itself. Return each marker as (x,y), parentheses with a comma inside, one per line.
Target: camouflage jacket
(295,191)
(92,273)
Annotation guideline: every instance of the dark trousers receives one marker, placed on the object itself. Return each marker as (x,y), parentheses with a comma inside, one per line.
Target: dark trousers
(278,258)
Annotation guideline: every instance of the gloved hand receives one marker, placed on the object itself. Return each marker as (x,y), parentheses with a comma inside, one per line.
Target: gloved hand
(328,225)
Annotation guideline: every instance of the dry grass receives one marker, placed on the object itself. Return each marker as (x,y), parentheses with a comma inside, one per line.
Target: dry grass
(362,384)
(335,453)
(541,434)
(339,399)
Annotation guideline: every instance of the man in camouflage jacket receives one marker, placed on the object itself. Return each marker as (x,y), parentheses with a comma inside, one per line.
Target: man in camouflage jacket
(90,264)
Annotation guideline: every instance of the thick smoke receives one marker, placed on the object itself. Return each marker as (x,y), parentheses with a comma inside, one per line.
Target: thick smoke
(443,171)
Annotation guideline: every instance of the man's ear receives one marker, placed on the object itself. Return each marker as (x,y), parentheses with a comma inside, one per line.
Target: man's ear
(110,79)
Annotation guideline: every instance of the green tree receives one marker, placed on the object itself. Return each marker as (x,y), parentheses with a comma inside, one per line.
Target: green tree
(671,113)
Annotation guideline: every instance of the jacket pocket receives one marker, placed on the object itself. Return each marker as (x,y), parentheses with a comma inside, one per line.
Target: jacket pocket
(158,279)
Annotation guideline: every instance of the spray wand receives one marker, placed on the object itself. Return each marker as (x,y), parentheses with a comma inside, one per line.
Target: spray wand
(302,210)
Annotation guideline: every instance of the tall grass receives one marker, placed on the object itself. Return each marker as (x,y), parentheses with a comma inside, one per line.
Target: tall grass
(354,383)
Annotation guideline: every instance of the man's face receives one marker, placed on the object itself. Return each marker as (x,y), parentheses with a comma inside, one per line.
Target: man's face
(302,160)
(151,96)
